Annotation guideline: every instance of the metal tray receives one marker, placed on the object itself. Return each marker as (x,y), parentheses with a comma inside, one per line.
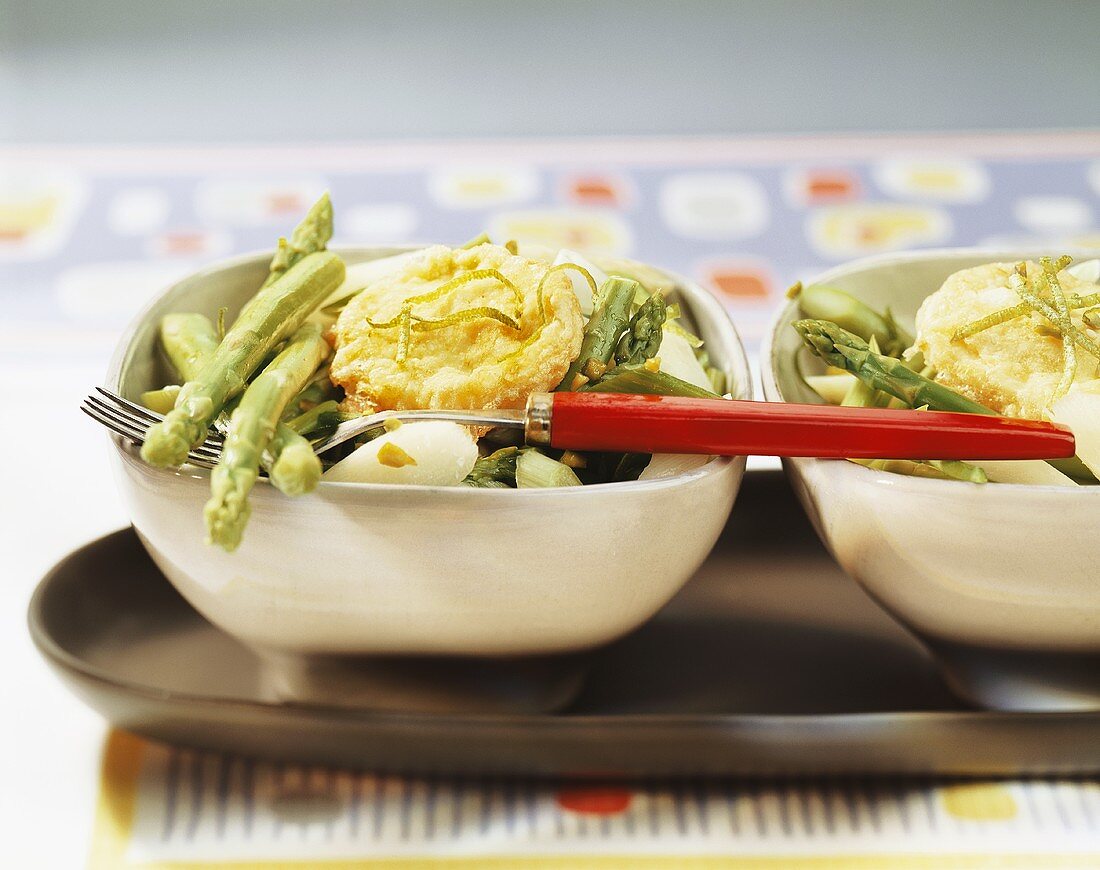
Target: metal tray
(769,663)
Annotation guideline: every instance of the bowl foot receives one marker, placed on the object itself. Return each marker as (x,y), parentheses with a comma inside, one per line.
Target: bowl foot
(424,685)
(1020,680)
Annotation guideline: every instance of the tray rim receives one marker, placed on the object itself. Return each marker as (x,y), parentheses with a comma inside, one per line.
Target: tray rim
(69,662)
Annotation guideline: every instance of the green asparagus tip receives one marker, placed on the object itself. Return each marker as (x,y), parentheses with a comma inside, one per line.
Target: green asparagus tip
(321,213)
(227,511)
(297,470)
(167,442)
(822,337)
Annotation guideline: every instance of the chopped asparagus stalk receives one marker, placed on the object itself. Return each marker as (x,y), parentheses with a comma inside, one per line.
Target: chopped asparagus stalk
(831,388)
(316,392)
(907,467)
(959,470)
(309,237)
(601,335)
(497,470)
(630,466)
(643,334)
(250,431)
(536,470)
(640,380)
(274,313)
(860,395)
(161,401)
(318,419)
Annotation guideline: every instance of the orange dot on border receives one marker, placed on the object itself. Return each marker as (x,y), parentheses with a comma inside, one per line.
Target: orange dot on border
(595,801)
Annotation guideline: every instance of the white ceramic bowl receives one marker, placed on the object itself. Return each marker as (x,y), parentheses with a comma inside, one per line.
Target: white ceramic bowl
(357,569)
(999,580)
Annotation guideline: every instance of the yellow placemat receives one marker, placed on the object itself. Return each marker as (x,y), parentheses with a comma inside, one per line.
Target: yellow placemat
(171,809)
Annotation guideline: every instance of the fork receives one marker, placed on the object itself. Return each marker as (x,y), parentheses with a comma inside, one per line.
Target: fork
(674,424)
(132,421)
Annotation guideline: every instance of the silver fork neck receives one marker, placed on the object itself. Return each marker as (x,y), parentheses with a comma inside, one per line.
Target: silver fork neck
(502,417)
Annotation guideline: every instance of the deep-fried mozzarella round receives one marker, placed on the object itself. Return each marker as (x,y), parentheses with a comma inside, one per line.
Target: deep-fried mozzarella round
(478,362)
(1014,367)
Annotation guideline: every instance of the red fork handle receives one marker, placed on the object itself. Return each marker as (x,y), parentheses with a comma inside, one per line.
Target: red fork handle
(671,424)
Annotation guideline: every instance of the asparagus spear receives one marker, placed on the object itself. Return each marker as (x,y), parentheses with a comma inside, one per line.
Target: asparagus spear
(956,469)
(188,340)
(859,395)
(610,318)
(821,302)
(642,338)
(844,350)
(274,313)
(495,471)
(639,379)
(309,237)
(291,463)
(251,429)
(289,459)
(318,418)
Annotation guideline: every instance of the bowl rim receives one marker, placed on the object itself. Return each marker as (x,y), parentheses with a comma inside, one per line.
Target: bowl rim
(862,474)
(715,311)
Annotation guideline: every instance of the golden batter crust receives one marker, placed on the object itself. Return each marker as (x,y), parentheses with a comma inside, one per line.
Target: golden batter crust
(480,363)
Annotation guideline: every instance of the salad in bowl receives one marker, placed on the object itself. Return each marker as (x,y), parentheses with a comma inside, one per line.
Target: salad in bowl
(475,327)
(429,537)
(981,559)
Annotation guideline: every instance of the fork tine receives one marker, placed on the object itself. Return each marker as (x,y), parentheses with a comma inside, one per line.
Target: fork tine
(133,407)
(214,445)
(135,434)
(117,420)
(123,420)
(145,413)
(118,412)
(113,425)
(120,422)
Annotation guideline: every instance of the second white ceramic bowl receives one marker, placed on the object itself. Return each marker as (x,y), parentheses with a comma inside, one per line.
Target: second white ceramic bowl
(356,569)
(998,579)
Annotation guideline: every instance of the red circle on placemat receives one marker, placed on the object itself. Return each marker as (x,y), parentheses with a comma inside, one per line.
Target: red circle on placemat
(594,801)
